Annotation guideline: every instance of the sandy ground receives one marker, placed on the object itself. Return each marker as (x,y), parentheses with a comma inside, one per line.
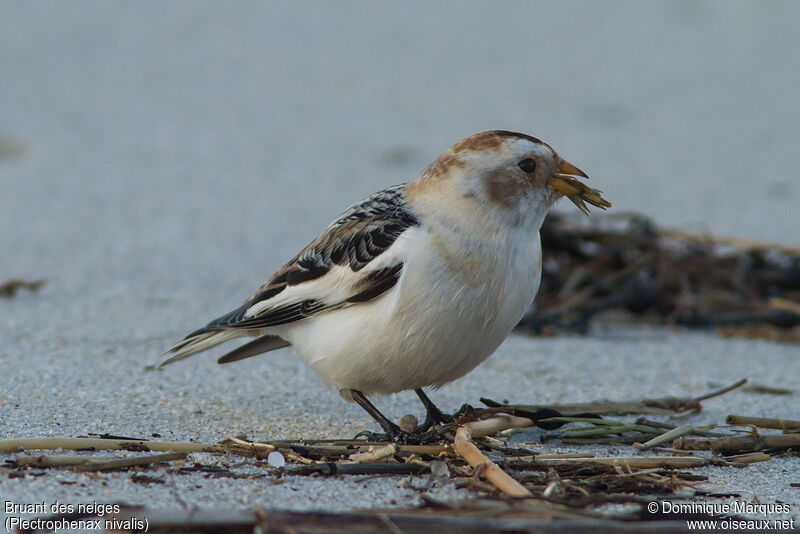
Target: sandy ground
(158,161)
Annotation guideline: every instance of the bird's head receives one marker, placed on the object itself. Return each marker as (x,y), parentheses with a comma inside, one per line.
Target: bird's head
(507,172)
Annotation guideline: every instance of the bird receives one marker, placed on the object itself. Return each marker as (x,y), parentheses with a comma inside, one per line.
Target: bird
(416,285)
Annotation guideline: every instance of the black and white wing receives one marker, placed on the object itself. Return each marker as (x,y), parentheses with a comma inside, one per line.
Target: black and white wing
(345,265)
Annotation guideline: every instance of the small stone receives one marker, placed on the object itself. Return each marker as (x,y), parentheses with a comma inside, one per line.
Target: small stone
(276,459)
(439,469)
(408,423)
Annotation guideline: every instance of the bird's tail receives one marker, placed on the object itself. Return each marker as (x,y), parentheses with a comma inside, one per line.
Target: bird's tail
(197,342)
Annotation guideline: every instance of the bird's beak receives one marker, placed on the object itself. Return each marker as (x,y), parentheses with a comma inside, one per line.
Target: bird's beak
(564,182)
(568,168)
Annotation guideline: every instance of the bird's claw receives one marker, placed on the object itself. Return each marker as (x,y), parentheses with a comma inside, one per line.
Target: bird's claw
(465,413)
(402,437)
(371,436)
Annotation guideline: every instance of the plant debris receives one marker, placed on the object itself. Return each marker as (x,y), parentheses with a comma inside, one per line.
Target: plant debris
(510,480)
(9,288)
(658,406)
(625,262)
(85,463)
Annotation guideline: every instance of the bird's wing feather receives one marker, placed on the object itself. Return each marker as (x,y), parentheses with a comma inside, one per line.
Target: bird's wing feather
(347,264)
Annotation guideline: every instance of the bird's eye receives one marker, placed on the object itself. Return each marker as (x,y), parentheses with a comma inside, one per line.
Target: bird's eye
(527,165)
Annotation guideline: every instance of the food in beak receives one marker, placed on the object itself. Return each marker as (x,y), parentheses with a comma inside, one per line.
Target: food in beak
(576,191)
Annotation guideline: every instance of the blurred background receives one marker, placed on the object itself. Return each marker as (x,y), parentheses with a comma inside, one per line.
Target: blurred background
(168,134)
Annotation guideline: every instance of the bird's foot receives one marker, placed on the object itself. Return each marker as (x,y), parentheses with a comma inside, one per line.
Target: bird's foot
(464,414)
(401,437)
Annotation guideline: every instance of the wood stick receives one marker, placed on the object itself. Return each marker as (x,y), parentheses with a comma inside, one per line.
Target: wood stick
(23,444)
(344,446)
(721,391)
(641,462)
(496,424)
(598,407)
(465,448)
(50,461)
(85,463)
(590,420)
(333,468)
(103,464)
(736,444)
(667,437)
(256,447)
(230,446)
(669,450)
(763,422)
(771,390)
(616,440)
(551,456)
(749,458)
(586,432)
(376,455)
(667,426)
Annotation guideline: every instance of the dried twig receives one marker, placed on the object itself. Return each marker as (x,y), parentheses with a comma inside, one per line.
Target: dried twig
(770,390)
(121,463)
(24,444)
(763,422)
(375,455)
(598,407)
(639,462)
(655,406)
(721,391)
(333,468)
(255,448)
(346,446)
(738,444)
(749,458)
(84,463)
(668,437)
(497,424)
(465,448)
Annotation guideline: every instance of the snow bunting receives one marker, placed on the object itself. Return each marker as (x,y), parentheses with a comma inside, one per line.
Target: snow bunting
(417,284)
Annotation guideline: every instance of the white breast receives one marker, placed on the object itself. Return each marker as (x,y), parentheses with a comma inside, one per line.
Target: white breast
(454,304)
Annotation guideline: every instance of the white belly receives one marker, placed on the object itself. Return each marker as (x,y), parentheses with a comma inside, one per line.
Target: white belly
(448,313)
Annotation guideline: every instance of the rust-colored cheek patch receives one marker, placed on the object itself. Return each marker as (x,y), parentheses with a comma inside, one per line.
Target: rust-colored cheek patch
(504,187)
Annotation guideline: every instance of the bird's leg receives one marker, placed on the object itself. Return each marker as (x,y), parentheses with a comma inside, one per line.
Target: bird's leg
(433,415)
(393,432)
